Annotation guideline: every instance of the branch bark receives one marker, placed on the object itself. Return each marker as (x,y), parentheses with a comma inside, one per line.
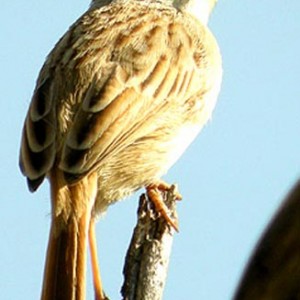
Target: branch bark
(147,259)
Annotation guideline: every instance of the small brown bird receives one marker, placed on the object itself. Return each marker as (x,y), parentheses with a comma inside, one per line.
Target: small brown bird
(118,100)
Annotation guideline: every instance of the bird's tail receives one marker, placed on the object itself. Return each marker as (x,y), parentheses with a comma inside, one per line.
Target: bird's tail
(65,268)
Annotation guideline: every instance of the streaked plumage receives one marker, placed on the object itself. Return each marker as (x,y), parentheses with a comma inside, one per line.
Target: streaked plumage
(118,100)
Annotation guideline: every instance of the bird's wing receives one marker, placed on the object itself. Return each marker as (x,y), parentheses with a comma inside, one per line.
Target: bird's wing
(149,71)
(129,73)
(38,146)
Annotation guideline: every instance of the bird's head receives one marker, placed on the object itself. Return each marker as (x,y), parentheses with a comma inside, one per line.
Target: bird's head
(200,8)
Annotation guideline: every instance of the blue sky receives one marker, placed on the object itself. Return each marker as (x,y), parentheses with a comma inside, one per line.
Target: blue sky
(232,178)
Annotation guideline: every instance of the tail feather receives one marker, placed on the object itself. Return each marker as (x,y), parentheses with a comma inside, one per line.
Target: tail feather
(64,277)
(65,268)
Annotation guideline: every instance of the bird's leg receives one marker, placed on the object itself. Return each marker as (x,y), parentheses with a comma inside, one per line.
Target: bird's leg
(154,194)
(98,289)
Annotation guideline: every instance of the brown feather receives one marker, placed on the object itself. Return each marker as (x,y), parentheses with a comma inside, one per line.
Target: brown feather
(119,98)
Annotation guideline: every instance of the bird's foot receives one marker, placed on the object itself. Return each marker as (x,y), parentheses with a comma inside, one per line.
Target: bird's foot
(154,193)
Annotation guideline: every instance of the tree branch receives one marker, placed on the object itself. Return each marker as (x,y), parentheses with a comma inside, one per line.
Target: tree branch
(147,258)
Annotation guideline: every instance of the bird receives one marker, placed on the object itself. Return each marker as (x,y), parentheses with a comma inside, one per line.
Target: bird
(120,97)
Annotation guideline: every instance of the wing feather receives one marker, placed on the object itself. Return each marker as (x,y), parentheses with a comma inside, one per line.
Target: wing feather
(38,147)
(122,83)
(97,135)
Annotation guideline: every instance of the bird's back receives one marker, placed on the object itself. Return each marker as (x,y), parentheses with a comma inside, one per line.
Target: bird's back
(124,92)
